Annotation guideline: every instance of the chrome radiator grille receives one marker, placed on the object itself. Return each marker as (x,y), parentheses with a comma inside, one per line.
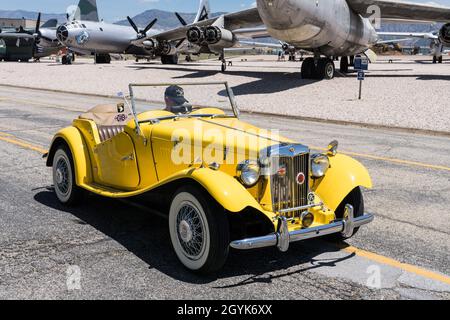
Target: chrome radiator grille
(287,193)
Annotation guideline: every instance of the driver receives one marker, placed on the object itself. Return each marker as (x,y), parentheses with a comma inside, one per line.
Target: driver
(175,100)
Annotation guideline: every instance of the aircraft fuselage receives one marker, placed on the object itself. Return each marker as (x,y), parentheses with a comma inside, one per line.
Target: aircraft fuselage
(99,37)
(329,27)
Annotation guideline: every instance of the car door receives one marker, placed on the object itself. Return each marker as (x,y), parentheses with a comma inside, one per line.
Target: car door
(117,163)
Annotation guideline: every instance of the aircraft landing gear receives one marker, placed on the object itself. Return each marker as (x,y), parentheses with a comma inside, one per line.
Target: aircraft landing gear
(352,61)
(344,65)
(224,62)
(102,59)
(435,59)
(323,69)
(440,59)
(171,59)
(67,59)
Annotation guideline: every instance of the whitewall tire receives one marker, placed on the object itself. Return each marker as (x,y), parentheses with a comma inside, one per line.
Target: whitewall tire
(199,230)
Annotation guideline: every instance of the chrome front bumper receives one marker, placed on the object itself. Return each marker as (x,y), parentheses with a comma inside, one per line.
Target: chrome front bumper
(282,238)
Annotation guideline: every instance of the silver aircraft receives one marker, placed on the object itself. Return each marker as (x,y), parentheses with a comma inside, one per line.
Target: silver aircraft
(89,36)
(327,28)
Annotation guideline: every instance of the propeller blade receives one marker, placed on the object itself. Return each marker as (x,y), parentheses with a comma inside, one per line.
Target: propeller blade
(133,25)
(180,18)
(180,43)
(149,26)
(38,23)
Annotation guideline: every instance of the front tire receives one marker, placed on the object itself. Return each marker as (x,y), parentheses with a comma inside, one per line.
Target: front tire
(67,192)
(199,230)
(356,199)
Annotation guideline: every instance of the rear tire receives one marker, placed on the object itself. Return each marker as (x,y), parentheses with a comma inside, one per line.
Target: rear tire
(356,199)
(199,230)
(67,192)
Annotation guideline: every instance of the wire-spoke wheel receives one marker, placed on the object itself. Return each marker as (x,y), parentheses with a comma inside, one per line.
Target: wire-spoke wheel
(66,190)
(198,230)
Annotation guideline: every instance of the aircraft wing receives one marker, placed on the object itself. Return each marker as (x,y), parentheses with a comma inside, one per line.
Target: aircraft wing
(401,10)
(421,35)
(251,45)
(233,21)
(15,36)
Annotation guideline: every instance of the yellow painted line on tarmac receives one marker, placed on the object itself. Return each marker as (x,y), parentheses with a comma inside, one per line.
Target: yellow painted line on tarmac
(399,265)
(20,143)
(392,160)
(41,104)
(361,253)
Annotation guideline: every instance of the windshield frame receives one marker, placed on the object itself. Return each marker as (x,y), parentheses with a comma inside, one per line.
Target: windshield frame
(228,89)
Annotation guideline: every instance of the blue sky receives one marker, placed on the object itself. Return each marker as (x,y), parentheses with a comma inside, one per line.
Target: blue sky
(113,10)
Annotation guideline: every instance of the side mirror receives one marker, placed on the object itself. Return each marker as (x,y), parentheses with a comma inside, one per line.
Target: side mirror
(332,148)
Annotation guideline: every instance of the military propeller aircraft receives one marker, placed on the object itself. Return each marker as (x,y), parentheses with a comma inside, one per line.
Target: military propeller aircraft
(327,28)
(89,36)
(24,45)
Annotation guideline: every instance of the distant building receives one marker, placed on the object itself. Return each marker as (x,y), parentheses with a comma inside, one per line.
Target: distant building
(7,23)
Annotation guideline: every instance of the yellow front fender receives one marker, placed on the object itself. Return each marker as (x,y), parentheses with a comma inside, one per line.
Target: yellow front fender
(227,191)
(73,138)
(344,175)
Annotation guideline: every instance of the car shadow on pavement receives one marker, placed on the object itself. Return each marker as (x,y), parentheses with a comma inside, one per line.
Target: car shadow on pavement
(146,236)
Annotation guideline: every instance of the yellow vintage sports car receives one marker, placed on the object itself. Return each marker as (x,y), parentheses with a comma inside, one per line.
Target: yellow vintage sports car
(225,182)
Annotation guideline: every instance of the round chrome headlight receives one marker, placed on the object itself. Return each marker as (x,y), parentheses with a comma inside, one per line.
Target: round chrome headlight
(319,165)
(249,172)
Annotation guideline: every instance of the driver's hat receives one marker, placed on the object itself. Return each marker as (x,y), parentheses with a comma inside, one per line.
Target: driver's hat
(176,95)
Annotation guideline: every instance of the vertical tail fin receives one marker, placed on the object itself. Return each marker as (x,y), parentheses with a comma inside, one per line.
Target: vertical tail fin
(203,11)
(88,10)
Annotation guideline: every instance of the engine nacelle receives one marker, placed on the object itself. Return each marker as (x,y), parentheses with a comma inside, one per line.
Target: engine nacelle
(444,35)
(219,37)
(167,49)
(195,35)
(150,45)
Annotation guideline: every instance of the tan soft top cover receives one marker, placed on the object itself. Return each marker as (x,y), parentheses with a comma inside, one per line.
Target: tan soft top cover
(107,115)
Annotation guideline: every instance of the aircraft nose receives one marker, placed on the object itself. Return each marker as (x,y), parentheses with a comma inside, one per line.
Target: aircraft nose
(279,14)
(62,33)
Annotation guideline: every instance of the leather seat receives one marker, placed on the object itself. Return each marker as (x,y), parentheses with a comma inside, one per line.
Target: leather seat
(109,119)
(108,132)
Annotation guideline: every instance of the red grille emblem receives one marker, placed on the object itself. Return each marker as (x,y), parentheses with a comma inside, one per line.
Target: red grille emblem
(282,171)
(301,178)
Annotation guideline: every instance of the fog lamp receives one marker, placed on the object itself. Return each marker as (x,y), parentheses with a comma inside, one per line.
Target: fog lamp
(307,219)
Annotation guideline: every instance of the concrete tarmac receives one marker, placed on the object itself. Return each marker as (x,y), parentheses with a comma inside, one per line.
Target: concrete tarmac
(122,251)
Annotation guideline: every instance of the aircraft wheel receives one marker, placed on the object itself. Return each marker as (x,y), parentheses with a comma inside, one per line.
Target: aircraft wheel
(440,59)
(64,60)
(308,68)
(224,67)
(325,69)
(434,59)
(66,190)
(199,230)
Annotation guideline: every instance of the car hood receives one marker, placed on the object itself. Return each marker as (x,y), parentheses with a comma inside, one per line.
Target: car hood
(228,132)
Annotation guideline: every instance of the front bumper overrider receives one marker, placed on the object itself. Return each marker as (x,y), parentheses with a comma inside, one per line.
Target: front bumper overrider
(282,238)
